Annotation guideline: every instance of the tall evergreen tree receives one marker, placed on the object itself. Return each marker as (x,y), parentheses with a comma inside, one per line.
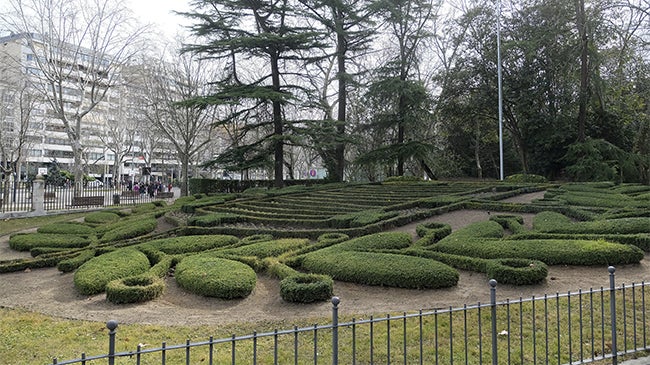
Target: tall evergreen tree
(264,37)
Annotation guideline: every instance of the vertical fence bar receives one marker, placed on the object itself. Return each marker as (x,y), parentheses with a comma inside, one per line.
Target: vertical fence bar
(465,332)
(335,330)
(163,353)
(480,334)
(112,330)
(624,302)
(233,350)
(635,343)
(643,321)
(354,342)
(508,326)
(534,331)
(295,345)
(493,308)
(421,338)
(388,339)
(612,308)
(211,349)
(404,337)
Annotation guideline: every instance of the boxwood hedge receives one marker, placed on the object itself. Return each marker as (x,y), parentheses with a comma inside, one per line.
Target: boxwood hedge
(92,277)
(101,217)
(134,228)
(188,244)
(267,248)
(215,277)
(306,288)
(516,271)
(67,228)
(27,241)
(135,289)
(214,219)
(71,264)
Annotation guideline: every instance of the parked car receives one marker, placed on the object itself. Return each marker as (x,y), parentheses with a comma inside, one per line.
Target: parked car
(95,184)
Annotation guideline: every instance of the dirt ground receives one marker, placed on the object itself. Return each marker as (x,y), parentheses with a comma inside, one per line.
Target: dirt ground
(51,292)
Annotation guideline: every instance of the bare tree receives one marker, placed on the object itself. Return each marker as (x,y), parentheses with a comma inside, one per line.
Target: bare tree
(189,129)
(79,48)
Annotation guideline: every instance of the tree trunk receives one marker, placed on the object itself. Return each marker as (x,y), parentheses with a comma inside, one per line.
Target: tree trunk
(584,68)
(278,130)
(341,49)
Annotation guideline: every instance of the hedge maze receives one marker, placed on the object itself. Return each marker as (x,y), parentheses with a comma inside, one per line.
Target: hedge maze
(307,237)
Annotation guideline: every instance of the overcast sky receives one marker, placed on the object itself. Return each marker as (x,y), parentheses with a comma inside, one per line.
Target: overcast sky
(159,13)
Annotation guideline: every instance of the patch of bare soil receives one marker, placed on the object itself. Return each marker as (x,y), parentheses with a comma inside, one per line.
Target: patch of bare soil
(51,292)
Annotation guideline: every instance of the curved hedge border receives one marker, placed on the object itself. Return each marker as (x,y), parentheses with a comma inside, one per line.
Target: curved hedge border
(27,241)
(67,228)
(92,277)
(189,244)
(72,264)
(134,228)
(516,271)
(306,288)
(101,217)
(215,277)
(135,289)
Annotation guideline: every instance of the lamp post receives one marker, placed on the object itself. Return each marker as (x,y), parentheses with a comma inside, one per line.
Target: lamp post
(500,90)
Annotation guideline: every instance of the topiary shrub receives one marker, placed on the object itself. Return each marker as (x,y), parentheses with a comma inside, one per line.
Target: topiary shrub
(214,219)
(332,238)
(306,288)
(101,217)
(188,244)
(256,238)
(210,276)
(72,264)
(516,271)
(143,208)
(267,248)
(433,231)
(135,289)
(67,228)
(134,228)
(28,241)
(91,278)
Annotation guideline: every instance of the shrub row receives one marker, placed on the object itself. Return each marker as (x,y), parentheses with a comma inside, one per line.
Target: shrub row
(134,228)
(189,244)
(91,278)
(73,263)
(306,288)
(101,217)
(641,240)
(215,277)
(556,223)
(267,248)
(433,231)
(73,228)
(135,289)
(27,241)
(214,219)
(552,252)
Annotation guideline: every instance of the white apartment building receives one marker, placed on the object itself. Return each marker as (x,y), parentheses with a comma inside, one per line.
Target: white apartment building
(112,138)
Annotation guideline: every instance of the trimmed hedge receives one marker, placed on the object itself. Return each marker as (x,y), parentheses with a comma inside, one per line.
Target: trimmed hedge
(215,277)
(370,268)
(214,219)
(73,263)
(188,244)
(91,278)
(135,289)
(74,228)
(27,241)
(306,288)
(516,271)
(552,252)
(256,238)
(433,231)
(267,248)
(378,241)
(101,217)
(134,228)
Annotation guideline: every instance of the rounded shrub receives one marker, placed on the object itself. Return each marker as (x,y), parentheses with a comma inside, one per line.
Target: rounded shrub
(213,219)
(91,278)
(332,238)
(134,228)
(215,277)
(101,217)
(370,268)
(306,288)
(135,289)
(71,264)
(516,271)
(28,241)
(67,228)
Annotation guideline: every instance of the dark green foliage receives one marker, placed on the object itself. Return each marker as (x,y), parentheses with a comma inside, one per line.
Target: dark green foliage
(134,228)
(143,208)
(514,223)
(332,238)
(214,219)
(267,248)
(67,228)
(91,278)
(277,269)
(641,240)
(516,271)
(27,241)
(71,264)
(134,289)
(433,231)
(161,268)
(557,223)
(525,178)
(101,217)
(552,252)
(360,219)
(370,268)
(215,277)
(306,288)
(189,244)
(256,238)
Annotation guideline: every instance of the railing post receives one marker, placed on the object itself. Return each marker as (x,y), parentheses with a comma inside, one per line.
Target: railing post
(335,330)
(612,308)
(493,307)
(112,330)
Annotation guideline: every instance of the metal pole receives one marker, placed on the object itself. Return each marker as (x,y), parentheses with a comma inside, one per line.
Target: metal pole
(500,89)
(612,308)
(112,326)
(493,307)
(335,330)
